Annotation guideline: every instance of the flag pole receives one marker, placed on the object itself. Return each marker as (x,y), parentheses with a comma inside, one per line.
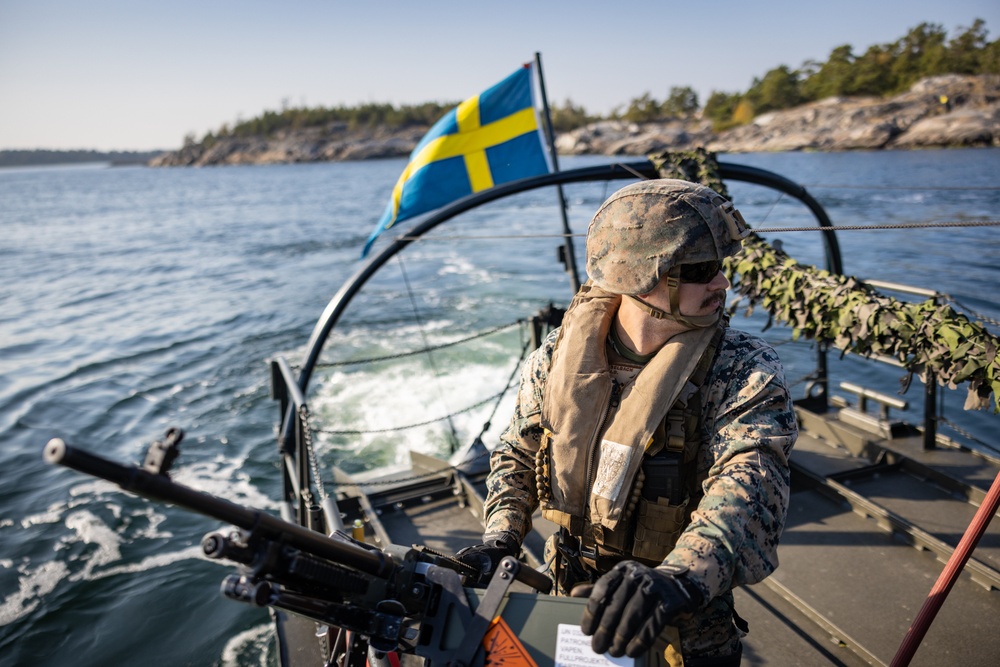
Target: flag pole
(568,254)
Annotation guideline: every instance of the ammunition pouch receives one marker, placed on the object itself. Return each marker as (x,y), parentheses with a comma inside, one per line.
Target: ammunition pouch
(663,477)
(658,524)
(661,510)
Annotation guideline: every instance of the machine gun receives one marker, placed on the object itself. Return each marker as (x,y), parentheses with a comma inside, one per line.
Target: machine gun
(393,599)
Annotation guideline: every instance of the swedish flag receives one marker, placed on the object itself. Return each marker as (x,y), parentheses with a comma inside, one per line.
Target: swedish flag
(488,139)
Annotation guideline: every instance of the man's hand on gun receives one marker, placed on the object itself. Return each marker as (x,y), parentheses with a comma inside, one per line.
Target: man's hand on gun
(486,557)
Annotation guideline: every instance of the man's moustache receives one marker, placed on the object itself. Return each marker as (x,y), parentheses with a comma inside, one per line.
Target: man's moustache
(719,295)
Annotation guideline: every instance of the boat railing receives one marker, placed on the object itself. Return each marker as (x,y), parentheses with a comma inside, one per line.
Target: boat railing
(930,415)
(610,172)
(300,471)
(299,468)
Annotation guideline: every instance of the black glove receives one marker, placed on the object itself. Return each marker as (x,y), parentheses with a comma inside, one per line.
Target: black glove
(486,557)
(631,604)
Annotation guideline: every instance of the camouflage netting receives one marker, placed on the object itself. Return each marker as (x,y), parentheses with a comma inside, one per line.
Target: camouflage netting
(696,165)
(929,339)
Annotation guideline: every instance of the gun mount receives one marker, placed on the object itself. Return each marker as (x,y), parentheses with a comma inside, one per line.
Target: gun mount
(394,599)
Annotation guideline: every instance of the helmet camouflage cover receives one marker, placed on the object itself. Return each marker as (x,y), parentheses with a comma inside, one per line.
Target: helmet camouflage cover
(649,227)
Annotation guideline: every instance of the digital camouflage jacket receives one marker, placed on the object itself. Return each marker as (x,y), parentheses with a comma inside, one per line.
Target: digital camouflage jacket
(747,434)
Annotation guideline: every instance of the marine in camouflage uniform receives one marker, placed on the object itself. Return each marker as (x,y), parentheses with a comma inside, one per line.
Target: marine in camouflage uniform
(732,458)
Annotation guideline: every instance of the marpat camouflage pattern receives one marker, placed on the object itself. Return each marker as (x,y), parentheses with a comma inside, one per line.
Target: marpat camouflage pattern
(748,432)
(646,228)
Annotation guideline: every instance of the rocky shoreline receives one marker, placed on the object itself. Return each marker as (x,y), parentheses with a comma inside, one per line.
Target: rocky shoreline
(918,118)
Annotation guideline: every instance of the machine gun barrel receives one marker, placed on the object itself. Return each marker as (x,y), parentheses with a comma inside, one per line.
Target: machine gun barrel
(160,487)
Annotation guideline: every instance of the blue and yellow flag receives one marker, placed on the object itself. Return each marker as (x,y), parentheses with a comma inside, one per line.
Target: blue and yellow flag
(492,138)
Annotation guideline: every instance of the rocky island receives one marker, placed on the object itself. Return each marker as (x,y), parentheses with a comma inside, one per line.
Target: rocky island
(941,111)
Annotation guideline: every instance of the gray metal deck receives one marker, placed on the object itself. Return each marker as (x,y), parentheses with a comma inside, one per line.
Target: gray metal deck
(871,523)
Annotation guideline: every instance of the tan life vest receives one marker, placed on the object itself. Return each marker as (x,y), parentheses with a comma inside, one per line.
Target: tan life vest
(591,456)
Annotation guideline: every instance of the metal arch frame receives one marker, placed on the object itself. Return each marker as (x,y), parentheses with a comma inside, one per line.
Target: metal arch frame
(617,171)
(834,262)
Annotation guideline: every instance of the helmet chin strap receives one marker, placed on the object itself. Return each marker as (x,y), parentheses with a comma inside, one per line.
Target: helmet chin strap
(673,292)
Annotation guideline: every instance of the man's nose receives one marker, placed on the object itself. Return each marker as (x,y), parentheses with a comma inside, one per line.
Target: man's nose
(719,282)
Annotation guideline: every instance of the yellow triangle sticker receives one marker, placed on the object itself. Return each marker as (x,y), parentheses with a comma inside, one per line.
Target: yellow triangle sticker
(503,648)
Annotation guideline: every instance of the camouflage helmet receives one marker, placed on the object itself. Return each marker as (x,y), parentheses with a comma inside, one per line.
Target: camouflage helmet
(649,227)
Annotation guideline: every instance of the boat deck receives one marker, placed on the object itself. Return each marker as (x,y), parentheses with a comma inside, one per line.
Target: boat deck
(871,522)
(441,523)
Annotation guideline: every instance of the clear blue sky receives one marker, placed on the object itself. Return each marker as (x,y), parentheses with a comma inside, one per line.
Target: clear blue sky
(138,74)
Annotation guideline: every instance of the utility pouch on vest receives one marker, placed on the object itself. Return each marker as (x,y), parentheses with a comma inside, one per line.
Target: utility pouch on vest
(662,477)
(658,524)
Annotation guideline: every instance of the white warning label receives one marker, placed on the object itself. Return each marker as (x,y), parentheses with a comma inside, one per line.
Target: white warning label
(573,650)
(611,468)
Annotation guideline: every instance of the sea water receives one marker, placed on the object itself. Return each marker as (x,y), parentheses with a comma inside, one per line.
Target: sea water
(133,300)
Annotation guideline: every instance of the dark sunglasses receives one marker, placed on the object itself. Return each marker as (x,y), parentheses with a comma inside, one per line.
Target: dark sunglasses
(701,272)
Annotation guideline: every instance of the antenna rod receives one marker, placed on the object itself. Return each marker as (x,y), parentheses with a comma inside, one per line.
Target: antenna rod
(569,258)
